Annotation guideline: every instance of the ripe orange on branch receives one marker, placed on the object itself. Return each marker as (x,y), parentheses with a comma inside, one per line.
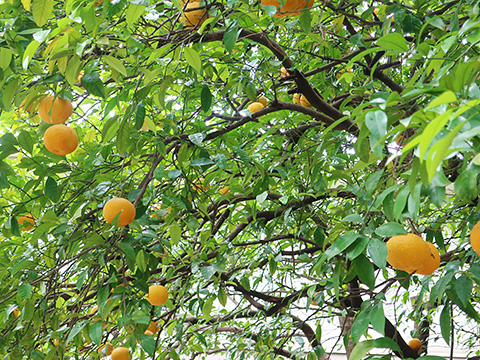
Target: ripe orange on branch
(157,295)
(475,238)
(121,206)
(55,110)
(408,252)
(433,263)
(255,106)
(291,7)
(60,139)
(416,345)
(192,16)
(301,99)
(121,353)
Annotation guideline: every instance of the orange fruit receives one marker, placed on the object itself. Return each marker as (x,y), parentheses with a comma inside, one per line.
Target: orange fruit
(284,73)
(121,353)
(408,252)
(105,349)
(148,332)
(475,238)
(194,18)
(313,301)
(433,263)
(55,110)
(225,190)
(56,342)
(262,100)
(157,295)
(153,327)
(93,310)
(60,139)
(199,187)
(255,106)
(26,222)
(300,99)
(415,344)
(16,313)
(121,206)
(291,7)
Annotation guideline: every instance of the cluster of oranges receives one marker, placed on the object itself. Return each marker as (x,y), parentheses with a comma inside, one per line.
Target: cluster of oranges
(59,139)
(412,254)
(157,295)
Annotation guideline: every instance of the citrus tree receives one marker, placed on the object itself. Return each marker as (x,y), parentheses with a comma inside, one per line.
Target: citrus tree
(181,180)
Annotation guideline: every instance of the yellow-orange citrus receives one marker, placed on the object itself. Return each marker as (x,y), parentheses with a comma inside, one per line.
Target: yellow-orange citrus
(121,353)
(194,18)
(148,332)
(284,73)
(16,313)
(56,342)
(408,252)
(157,295)
(121,206)
(291,7)
(314,302)
(300,99)
(262,100)
(55,110)
(153,327)
(475,238)
(433,262)
(255,106)
(225,190)
(416,345)
(199,186)
(26,222)
(105,349)
(60,139)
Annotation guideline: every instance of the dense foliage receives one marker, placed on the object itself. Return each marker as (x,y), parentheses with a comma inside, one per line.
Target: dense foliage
(245,218)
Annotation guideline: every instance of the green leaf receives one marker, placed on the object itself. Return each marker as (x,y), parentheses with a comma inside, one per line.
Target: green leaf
(372,181)
(139,115)
(193,59)
(400,202)
(115,64)
(393,41)
(230,36)
(93,84)
(5,58)
(25,140)
(222,296)
(305,20)
(463,287)
(134,12)
(445,98)
(390,229)
(378,251)
(52,190)
(377,318)
(207,308)
(365,271)
(95,331)
(206,98)
(147,342)
(376,122)
(340,244)
(41,10)
(25,291)
(141,260)
(466,185)
(127,250)
(360,324)
(243,155)
(445,323)
(197,138)
(175,233)
(123,137)
(77,327)
(207,272)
